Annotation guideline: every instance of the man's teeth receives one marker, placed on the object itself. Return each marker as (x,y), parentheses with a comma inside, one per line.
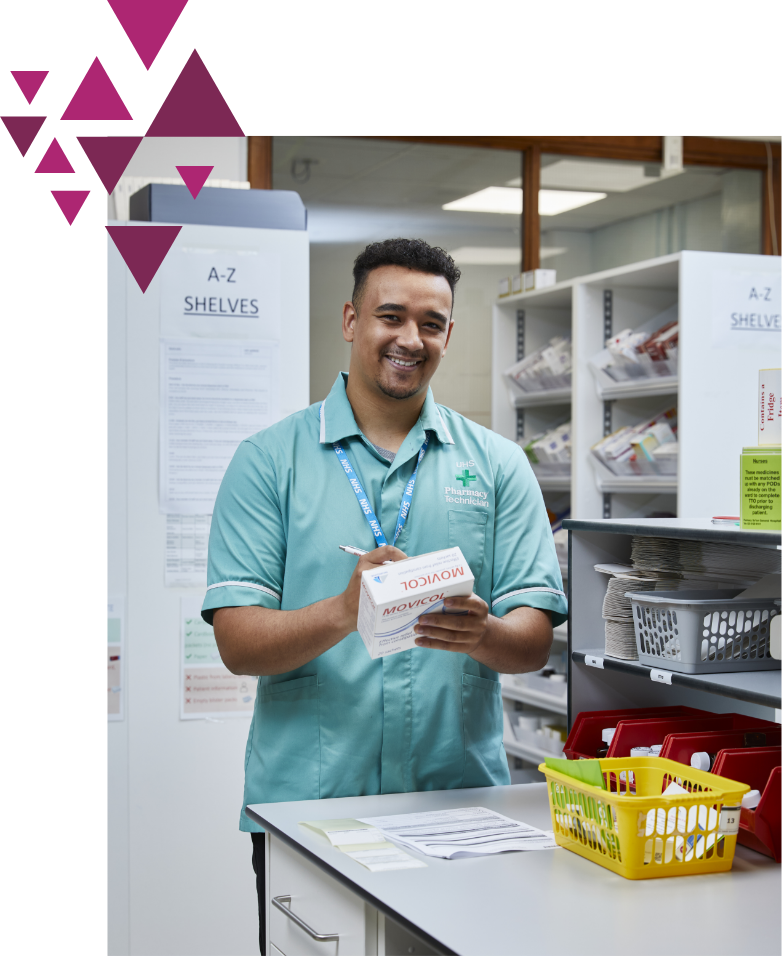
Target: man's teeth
(399,361)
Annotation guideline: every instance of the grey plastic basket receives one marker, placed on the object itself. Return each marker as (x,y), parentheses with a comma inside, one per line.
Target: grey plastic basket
(703,632)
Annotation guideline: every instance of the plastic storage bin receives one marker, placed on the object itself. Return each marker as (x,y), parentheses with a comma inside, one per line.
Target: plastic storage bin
(644,835)
(650,730)
(681,746)
(759,768)
(584,739)
(703,632)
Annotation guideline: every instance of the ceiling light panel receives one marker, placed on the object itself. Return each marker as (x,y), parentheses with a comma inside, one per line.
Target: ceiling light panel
(507,200)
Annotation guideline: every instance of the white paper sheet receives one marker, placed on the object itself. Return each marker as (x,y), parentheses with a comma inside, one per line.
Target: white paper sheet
(465,832)
(187,542)
(221,294)
(385,858)
(213,395)
(355,837)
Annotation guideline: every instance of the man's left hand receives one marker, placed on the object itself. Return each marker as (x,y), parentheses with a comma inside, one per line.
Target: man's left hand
(455,631)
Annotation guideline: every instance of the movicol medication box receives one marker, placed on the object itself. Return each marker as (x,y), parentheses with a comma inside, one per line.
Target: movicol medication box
(394,596)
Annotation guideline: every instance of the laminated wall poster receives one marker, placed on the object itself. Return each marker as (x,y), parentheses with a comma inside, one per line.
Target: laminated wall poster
(208,688)
(116,634)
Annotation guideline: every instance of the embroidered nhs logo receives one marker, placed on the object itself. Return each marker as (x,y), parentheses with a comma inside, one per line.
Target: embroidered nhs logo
(380,578)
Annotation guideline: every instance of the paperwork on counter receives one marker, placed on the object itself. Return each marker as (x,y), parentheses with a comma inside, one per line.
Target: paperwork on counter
(364,844)
(466,832)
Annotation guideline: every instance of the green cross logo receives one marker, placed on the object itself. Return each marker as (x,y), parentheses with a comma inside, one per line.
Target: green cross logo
(466,478)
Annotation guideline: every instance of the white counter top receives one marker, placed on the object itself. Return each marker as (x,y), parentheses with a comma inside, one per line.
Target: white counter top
(544,902)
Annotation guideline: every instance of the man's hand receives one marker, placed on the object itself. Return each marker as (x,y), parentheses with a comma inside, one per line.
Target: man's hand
(462,629)
(514,644)
(350,596)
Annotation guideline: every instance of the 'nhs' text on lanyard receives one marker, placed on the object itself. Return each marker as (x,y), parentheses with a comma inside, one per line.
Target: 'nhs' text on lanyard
(366,507)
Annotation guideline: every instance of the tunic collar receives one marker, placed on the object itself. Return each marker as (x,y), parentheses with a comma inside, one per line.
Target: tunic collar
(338,422)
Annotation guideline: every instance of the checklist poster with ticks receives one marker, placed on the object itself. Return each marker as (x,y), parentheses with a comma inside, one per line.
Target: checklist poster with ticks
(209,691)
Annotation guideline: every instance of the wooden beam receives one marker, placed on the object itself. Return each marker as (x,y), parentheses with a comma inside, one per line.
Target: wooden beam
(530,217)
(646,149)
(698,150)
(733,153)
(259,162)
(772,194)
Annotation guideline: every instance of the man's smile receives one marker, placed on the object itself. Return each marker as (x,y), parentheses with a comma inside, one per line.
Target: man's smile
(403,364)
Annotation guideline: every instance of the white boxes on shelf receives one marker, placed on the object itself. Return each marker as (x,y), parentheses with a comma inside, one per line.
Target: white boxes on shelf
(546,369)
(650,448)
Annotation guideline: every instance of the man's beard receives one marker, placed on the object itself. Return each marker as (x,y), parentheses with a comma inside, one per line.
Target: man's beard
(400,392)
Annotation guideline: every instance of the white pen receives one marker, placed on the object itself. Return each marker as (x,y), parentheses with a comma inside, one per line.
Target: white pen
(348,549)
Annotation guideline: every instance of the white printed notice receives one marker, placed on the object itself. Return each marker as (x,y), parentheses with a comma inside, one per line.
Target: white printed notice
(746,310)
(209,689)
(187,543)
(465,832)
(213,395)
(116,633)
(221,294)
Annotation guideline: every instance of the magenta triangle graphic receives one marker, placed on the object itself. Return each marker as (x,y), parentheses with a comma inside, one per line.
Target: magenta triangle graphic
(54,160)
(23,130)
(96,98)
(147,23)
(70,201)
(109,155)
(194,107)
(29,81)
(195,177)
(143,248)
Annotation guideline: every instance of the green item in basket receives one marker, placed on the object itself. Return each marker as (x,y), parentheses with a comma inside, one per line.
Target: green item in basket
(586,771)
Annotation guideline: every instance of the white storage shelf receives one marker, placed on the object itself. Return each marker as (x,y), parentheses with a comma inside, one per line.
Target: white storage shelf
(532,754)
(527,695)
(639,389)
(597,682)
(720,379)
(551,396)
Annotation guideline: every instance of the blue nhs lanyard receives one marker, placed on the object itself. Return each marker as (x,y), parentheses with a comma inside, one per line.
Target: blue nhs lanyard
(366,507)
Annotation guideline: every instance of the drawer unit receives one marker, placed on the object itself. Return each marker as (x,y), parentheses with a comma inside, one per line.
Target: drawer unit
(318,901)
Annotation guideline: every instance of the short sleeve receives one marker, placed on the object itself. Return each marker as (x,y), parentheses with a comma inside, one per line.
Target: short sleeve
(246,562)
(526,569)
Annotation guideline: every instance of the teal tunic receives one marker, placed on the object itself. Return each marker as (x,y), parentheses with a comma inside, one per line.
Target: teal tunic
(343,724)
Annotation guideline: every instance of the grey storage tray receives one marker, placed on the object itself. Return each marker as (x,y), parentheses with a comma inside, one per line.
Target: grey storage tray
(703,632)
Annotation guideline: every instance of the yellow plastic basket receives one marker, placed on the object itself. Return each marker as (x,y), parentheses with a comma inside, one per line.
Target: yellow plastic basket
(632,829)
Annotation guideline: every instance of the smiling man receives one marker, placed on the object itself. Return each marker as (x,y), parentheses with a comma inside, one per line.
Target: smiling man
(329,721)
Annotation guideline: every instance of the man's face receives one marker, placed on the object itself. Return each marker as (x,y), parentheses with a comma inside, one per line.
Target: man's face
(401,331)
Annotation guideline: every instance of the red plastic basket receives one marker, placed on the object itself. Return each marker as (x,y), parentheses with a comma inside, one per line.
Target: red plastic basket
(585,737)
(759,768)
(682,746)
(644,733)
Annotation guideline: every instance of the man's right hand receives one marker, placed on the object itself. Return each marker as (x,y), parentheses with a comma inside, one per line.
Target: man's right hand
(352,593)
(259,640)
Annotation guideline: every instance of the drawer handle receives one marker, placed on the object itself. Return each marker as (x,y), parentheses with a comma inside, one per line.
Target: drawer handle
(320,937)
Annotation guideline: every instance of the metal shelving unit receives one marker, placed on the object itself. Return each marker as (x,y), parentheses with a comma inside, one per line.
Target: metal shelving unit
(598,682)
(756,687)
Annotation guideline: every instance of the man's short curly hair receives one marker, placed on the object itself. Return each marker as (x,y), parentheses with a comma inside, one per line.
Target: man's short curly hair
(410,253)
